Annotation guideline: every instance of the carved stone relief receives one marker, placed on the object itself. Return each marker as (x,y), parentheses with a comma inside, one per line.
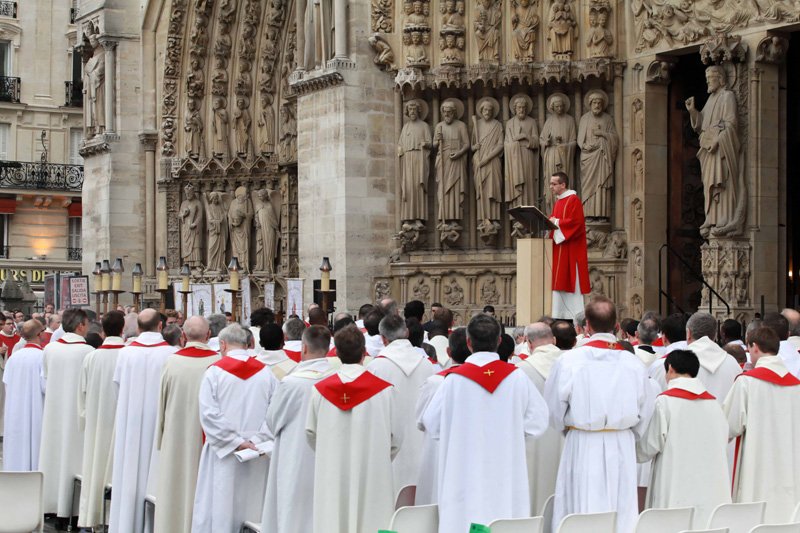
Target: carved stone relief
(636,267)
(524,25)
(637,122)
(453,293)
(489,292)
(562,29)
(598,141)
(287,148)
(487,146)
(414,153)
(727,268)
(599,40)
(521,154)
(636,310)
(637,220)
(772,49)
(487,30)
(192,225)
(384,56)
(421,291)
(451,143)
(637,163)
(382,15)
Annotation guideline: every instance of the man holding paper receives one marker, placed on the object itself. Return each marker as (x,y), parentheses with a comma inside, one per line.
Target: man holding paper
(234,397)
(570,261)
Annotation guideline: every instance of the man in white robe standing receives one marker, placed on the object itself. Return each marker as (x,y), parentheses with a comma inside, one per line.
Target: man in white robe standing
(427,482)
(483,478)
(290,485)
(62,446)
(138,377)
(780,325)
(293,338)
(407,368)
(544,453)
(271,352)
(355,429)
(97,402)
(372,335)
(234,398)
(600,394)
(24,402)
(179,437)
(762,412)
(687,439)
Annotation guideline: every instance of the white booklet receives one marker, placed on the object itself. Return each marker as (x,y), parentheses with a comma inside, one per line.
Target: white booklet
(265,448)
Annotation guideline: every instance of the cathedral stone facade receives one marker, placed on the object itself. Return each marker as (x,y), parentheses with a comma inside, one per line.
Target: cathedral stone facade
(393,136)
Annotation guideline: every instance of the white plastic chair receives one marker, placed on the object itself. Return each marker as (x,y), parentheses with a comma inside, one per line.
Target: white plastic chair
(547,514)
(589,523)
(251,527)
(719,530)
(406,497)
(796,515)
(21,494)
(665,520)
(777,528)
(518,525)
(738,517)
(418,519)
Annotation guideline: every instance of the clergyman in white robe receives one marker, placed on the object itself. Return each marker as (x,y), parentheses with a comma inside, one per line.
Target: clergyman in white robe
(24,405)
(97,401)
(600,394)
(687,439)
(234,398)
(138,376)
(762,410)
(62,446)
(405,367)
(290,484)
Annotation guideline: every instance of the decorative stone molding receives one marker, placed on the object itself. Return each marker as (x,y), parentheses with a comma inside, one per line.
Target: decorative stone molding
(303,82)
(149,140)
(726,268)
(723,47)
(659,71)
(99,144)
(772,49)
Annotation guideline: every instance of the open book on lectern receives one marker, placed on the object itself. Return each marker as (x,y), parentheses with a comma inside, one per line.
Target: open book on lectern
(532,219)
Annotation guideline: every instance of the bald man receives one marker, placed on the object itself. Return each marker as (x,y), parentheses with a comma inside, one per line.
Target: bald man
(179,437)
(793,317)
(138,376)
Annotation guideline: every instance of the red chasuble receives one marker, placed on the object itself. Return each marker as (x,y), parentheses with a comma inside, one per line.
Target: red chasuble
(294,356)
(686,395)
(488,376)
(345,396)
(571,252)
(193,351)
(243,370)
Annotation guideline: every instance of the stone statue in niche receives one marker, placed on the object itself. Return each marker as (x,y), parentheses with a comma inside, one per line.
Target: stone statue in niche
(195,147)
(599,39)
(487,30)
(452,47)
(240,216)
(266,125)
(414,153)
(421,290)
(220,123)
(636,261)
(451,141)
(453,293)
(417,18)
(522,154)
(637,222)
(558,141)
(638,121)
(217,228)
(416,51)
(638,171)
(636,307)
(287,150)
(489,293)
(723,187)
(241,125)
(219,80)
(562,29)
(598,141)
(267,222)
(195,80)
(487,145)
(384,56)
(95,72)
(191,213)
(453,16)
(597,284)
(524,23)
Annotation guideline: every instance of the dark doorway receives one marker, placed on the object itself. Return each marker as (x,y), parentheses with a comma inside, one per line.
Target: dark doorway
(685,188)
(793,172)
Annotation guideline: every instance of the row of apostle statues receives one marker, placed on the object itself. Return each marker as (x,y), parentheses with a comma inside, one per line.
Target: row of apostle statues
(216,225)
(505,161)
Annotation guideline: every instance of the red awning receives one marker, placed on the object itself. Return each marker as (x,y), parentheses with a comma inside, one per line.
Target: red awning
(8,206)
(74,209)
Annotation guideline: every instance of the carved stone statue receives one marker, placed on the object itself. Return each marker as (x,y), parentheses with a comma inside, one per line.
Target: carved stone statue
(452,47)
(718,125)
(487,145)
(220,123)
(414,153)
(217,227)
(384,56)
(288,128)
(417,18)
(558,140)
(452,17)
(521,151)
(562,28)
(191,213)
(524,23)
(241,125)
(195,80)
(266,125)
(95,71)
(487,30)
(195,147)
(638,121)
(598,141)
(452,142)
(268,226)
(599,39)
(240,216)
(416,51)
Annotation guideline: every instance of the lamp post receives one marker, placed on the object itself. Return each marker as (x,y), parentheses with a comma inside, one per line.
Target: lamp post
(137,274)
(116,281)
(233,270)
(98,285)
(105,273)
(163,281)
(186,272)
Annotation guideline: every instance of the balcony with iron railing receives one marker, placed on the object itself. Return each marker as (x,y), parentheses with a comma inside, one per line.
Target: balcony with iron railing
(73,93)
(42,176)
(75,254)
(8,9)
(9,89)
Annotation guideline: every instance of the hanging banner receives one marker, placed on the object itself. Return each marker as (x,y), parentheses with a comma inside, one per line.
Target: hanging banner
(294,297)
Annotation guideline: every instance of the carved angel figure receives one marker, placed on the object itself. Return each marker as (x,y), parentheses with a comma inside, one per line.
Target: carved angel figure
(267,223)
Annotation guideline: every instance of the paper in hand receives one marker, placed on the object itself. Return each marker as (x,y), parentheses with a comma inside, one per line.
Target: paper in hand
(265,448)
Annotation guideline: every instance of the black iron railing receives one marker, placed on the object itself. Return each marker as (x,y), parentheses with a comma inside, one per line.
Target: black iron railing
(47,176)
(690,270)
(4,252)
(75,254)
(8,9)
(73,93)
(9,89)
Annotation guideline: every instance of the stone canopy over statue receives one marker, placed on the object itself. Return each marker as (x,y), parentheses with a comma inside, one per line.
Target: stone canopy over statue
(723,186)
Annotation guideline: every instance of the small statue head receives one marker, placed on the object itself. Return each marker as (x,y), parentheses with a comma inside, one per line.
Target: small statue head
(715,78)
(520,108)
(448,112)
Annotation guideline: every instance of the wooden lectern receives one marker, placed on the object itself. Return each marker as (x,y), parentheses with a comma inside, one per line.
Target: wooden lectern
(534,265)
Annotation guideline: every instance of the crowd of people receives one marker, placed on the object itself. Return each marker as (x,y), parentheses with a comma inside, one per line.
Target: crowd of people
(317,424)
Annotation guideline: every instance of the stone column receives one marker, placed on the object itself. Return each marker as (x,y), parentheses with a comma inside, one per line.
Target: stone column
(149,142)
(618,221)
(110,83)
(340,33)
(300,33)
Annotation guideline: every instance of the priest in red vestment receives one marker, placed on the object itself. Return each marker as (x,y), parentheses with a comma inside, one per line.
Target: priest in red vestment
(570,263)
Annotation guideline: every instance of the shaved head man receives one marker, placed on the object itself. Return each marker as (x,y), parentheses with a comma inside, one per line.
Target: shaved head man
(196,329)
(149,320)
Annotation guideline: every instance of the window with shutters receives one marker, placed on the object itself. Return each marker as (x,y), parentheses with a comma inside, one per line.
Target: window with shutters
(75,141)
(5,58)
